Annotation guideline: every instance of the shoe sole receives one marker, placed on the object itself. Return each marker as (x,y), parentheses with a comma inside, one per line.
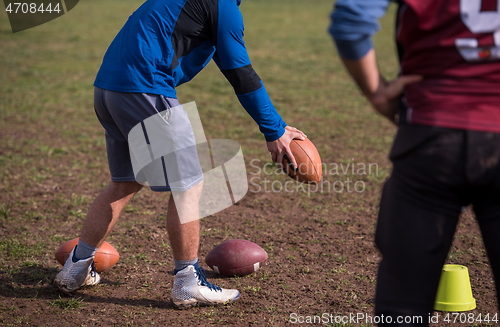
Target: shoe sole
(195,303)
(63,289)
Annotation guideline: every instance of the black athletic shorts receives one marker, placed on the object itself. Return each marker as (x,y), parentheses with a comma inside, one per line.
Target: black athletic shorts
(437,172)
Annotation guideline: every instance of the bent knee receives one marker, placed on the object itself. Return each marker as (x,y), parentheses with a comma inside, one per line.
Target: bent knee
(127,187)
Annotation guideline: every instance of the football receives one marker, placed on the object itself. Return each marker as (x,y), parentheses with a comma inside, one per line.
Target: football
(309,168)
(105,257)
(236,258)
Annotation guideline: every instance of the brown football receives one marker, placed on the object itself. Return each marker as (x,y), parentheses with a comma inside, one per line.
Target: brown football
(105,257)
(309,168)
(236,258)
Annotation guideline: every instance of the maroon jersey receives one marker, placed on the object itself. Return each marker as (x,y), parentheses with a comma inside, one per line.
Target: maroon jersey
(455,45)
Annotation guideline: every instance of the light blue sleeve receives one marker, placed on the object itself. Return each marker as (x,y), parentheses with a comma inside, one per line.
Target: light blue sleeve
(353,23)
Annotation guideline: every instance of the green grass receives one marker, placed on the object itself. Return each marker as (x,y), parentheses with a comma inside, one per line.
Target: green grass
(15,249)
(49,71)
(67,304)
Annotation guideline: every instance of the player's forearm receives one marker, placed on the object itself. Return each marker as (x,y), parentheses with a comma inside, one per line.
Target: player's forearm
(365,73)
(260,108)
(383,95)
(353,24)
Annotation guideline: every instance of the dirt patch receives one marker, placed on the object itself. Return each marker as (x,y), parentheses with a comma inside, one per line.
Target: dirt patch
(322,257)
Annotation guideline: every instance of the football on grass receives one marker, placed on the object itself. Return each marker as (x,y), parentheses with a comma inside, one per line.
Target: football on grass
(236,258)
(309,169)
(105,257)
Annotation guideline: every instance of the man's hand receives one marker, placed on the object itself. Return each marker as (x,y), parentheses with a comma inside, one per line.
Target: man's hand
(382,95)
(385,99)
(281,146)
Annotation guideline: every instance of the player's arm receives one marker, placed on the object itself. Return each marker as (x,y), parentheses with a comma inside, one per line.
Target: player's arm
(353,24)
(383,95)
(233,61)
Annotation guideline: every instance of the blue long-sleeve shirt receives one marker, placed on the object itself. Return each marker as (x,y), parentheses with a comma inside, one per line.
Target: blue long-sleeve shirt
(353,24)
(165,43)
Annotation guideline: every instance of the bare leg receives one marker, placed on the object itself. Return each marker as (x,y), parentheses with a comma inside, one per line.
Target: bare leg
(190,286)
(184,237)
(105,210)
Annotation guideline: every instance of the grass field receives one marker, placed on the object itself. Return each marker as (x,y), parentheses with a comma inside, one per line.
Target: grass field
(320,244)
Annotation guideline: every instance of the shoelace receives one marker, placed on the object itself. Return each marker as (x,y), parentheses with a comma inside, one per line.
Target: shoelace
(203,280)
(92,271)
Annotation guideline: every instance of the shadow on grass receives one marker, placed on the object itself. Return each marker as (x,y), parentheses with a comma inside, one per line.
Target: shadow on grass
(36,282)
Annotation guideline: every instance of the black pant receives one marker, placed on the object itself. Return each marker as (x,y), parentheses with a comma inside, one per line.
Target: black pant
(437,171)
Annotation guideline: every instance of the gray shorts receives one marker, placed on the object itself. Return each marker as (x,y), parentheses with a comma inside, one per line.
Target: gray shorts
(120,112)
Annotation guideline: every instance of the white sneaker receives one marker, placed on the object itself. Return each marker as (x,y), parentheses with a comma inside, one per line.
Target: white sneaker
(76,274)
(192,288)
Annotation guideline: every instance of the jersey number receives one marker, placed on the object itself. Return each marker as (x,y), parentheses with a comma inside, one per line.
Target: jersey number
(479,22)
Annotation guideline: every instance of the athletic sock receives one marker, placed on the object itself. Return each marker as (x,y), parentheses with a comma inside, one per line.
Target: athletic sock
(83,251)
(181,264)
